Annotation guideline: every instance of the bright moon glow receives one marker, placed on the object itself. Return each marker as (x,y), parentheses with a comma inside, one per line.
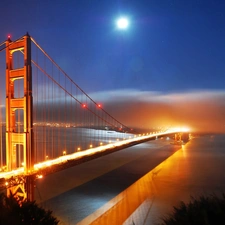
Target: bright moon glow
(122,23)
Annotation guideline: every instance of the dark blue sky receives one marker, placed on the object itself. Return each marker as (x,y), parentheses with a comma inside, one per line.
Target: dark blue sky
(168,68)
(171,45)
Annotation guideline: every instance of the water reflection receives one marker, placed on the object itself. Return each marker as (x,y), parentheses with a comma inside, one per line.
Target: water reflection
(197,168)
(135,203)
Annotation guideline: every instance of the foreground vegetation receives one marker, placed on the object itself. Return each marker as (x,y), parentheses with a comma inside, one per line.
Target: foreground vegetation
(13,212)
(204,210)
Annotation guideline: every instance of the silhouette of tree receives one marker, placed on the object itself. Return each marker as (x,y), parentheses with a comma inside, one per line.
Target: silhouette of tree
(14,212)
(204,210)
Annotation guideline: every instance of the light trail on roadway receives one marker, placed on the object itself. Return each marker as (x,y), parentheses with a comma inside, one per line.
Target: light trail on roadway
(88,152)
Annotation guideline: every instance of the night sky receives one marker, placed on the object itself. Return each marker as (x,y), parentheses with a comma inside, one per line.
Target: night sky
(169,62)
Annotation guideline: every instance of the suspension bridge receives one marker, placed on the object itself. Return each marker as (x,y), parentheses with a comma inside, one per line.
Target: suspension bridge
(47,122)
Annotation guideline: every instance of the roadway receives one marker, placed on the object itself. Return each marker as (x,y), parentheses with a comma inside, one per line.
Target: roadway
(75,193)
(53,165)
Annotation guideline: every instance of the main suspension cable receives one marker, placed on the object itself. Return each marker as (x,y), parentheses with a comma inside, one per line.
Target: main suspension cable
(74,82)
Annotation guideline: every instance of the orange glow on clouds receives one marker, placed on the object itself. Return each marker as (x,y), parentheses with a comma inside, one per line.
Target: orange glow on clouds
(203,111)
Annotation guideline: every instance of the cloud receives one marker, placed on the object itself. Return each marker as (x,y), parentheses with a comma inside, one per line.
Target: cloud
(202,110)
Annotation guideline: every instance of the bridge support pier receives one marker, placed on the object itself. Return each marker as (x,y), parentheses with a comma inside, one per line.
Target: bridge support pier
(22,188)
(181,137)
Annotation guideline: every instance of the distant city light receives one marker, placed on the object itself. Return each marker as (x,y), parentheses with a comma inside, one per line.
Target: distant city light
(122,23)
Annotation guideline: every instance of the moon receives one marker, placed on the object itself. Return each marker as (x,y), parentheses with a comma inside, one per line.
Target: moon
(122,23)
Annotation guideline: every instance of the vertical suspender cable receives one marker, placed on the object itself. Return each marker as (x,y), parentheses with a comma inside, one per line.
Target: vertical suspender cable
(52,117)
(44,110)
(59,120)
(65,119)
(1,133)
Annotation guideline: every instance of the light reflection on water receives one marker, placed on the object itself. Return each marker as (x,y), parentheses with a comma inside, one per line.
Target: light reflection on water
(196,169)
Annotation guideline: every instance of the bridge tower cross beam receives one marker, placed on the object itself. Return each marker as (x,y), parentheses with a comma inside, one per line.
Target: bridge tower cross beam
(13,103)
